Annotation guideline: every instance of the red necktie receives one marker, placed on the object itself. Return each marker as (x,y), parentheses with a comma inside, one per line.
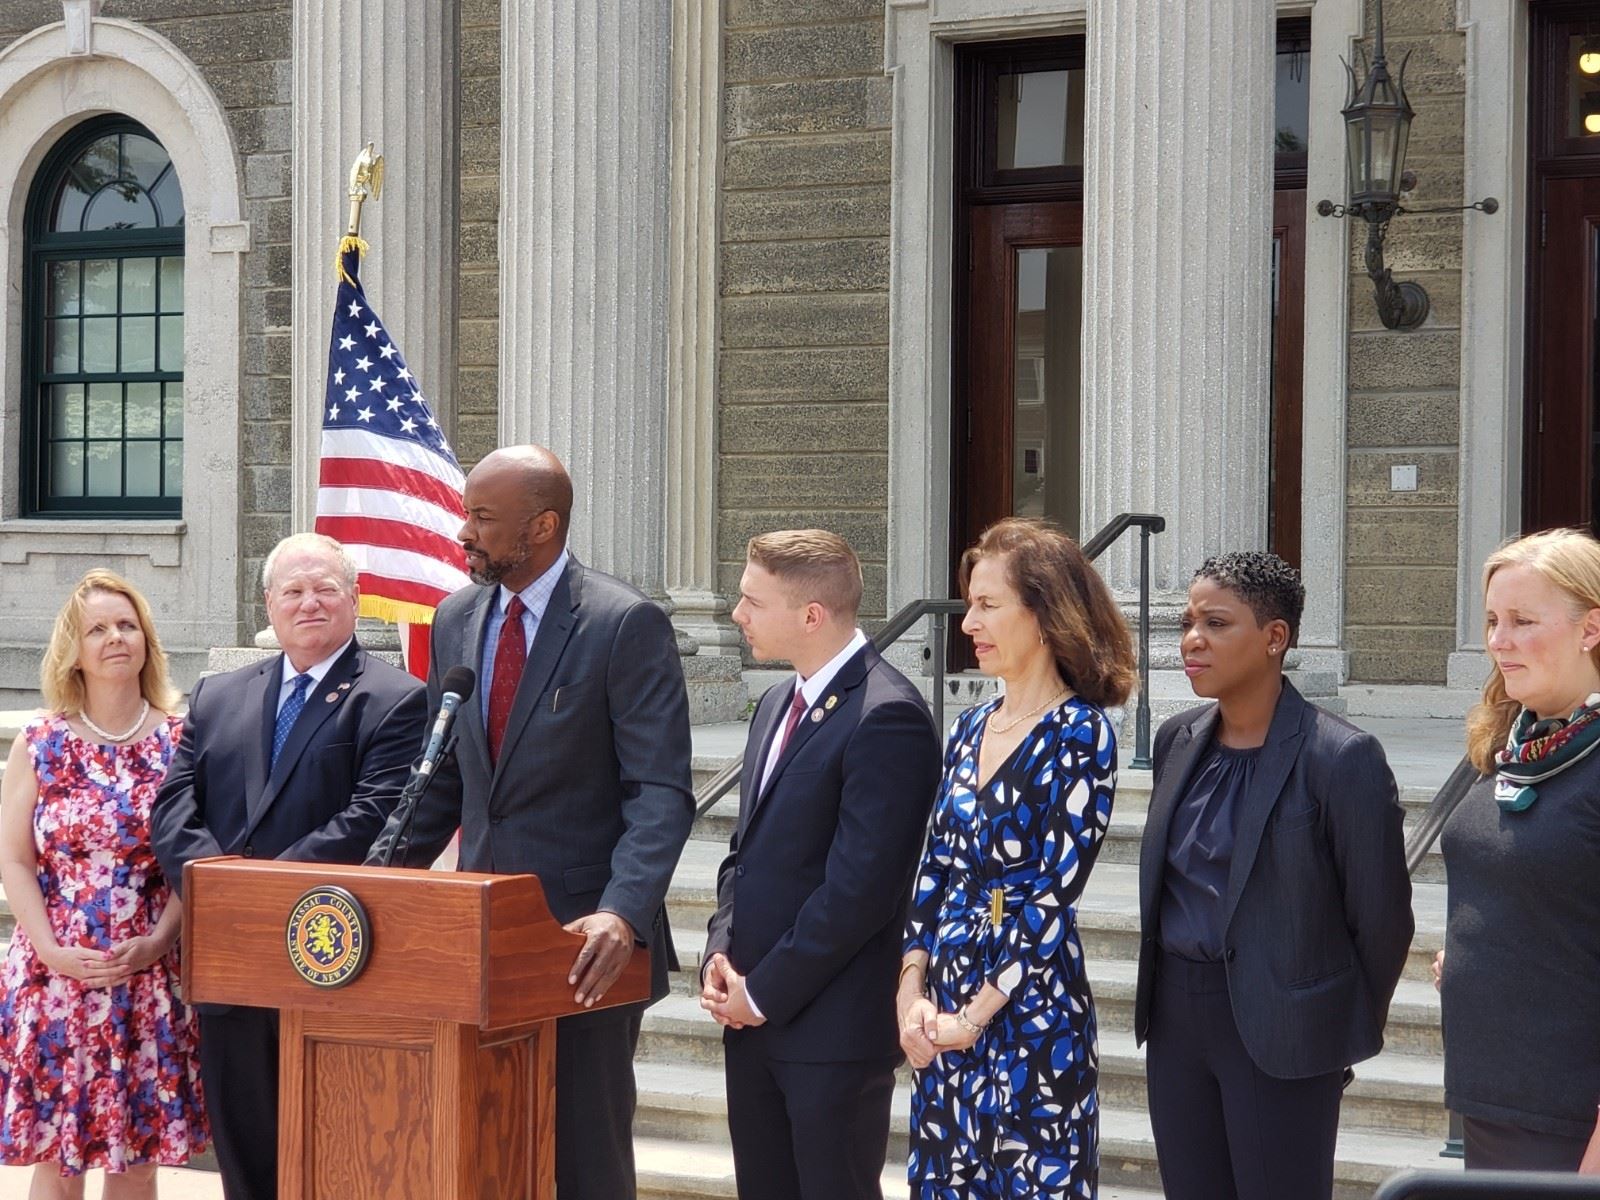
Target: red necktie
(510,656)
(797,710)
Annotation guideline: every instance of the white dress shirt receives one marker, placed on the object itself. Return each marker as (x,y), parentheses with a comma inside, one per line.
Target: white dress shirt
(316,671)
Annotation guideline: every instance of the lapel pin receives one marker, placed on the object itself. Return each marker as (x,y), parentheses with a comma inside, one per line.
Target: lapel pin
(816,715)
(832,700)
(331,697)
(344,686)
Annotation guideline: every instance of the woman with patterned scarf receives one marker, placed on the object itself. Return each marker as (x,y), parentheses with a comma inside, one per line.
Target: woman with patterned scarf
(1521,964)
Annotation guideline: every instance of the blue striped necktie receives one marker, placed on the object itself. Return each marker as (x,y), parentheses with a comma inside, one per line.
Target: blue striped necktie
(288,714)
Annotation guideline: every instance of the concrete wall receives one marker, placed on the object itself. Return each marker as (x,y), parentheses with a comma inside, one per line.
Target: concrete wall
(478,263)
(805,273)
(1404,405)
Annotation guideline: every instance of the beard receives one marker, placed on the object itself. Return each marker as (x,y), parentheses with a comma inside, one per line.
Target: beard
(493,570)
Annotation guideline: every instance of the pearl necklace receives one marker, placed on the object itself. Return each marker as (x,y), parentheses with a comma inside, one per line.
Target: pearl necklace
(999,728)
(117,738)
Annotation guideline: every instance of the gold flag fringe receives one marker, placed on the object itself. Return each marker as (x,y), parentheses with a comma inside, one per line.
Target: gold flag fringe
(396,611)
(347,243)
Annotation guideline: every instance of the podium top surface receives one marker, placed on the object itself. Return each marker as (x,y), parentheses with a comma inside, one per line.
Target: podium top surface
(470,948)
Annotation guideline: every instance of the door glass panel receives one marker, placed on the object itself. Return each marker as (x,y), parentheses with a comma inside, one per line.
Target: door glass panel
(1292,122)
(1583,86)
(1041,120)
(1046,383)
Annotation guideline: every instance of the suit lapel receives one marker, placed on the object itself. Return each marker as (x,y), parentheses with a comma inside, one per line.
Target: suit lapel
(1188,744)
(321,701)
(767,720)
(477,621)
(261,696)
(816,715)
(555,627)
(1277,760)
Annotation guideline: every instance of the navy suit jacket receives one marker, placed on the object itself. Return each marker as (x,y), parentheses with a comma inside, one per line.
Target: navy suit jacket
(592,790)
(1319,901)
(334,783)
(811,900)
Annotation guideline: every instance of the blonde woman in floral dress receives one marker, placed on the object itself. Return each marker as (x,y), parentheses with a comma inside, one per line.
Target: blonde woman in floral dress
(98,1061)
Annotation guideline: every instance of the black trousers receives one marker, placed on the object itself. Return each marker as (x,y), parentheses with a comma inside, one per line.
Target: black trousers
(239,1071)
(1224,1129)
(1496,1146)
(807,1131)
(595,1099)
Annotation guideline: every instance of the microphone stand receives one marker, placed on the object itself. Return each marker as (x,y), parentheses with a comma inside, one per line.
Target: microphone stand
(410,796)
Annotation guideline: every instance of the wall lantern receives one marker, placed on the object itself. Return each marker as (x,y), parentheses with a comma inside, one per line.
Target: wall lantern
(1377,118)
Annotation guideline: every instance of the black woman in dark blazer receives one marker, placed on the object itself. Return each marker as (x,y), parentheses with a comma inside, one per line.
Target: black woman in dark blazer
(1274,901)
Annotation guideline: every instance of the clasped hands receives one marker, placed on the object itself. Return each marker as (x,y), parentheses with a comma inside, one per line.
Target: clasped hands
(106,968)
(723,994)
(925,1032)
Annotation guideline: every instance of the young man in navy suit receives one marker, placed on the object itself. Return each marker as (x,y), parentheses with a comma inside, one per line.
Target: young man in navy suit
(300,757)
(802,955)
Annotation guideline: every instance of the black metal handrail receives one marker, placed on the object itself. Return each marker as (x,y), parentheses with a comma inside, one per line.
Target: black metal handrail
(1148,524)
(1487,1185)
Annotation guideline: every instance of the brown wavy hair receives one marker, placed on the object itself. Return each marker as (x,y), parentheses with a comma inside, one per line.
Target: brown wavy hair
(60,677)
(1568,558)
(1077,616)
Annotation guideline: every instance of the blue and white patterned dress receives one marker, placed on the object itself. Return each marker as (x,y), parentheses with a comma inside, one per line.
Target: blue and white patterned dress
(1016,1115)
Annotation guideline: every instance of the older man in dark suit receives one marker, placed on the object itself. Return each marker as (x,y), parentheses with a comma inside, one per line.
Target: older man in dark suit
(572,765)
(802,955)
(300,757)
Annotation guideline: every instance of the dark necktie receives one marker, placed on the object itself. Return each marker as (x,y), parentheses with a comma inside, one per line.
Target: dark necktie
(510,656)
(289,714)
(797,709)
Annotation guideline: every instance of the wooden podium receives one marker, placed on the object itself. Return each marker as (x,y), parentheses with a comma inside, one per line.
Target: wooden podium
(431,1074)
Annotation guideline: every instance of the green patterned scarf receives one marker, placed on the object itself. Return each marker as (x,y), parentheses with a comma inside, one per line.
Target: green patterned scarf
(1535,750)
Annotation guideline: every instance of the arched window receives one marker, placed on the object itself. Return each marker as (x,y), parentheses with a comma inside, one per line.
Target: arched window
(104,327)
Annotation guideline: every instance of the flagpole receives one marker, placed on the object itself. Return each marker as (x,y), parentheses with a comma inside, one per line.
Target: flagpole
(366,179)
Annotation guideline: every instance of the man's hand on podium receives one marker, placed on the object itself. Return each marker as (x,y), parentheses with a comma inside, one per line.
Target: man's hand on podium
(608,945)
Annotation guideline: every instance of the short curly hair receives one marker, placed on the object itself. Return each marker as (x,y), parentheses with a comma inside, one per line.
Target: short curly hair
(1270,586)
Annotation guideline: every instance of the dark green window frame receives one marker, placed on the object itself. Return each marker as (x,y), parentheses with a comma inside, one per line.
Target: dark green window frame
(43,248)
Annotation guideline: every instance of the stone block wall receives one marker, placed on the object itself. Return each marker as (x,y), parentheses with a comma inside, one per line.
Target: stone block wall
(243,48)
(1404,400)
(478,261)
(804,351)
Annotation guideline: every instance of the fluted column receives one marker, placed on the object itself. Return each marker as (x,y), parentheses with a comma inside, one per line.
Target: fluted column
(583,262)
(1177,278)
(382,71)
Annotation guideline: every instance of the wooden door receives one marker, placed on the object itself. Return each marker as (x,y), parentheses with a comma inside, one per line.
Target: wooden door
(1288,365)
(1564,361)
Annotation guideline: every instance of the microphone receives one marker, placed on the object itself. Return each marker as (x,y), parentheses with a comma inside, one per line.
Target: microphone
(458,685)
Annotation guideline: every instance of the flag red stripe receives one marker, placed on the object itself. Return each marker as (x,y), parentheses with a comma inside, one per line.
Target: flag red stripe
(404,590)
(393,535)
(389,477)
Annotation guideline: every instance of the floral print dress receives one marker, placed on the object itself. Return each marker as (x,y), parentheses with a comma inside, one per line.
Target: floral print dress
(1017,1114)
(96,1077)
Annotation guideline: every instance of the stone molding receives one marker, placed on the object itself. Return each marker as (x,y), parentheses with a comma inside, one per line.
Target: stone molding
(584,194)
(1493,309)
(382,71)
(187,568)
(693,336)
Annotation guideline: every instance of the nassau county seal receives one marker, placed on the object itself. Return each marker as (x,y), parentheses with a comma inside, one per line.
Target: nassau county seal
(328,937)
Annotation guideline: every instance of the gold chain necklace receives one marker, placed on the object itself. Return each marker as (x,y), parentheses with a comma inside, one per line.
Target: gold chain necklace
(999,728)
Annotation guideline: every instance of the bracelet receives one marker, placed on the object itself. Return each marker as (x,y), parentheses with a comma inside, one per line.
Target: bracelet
(966,1022)
(904,967)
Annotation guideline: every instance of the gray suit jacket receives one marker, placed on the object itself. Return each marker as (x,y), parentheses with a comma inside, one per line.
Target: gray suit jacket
(1319,901)
(592,791)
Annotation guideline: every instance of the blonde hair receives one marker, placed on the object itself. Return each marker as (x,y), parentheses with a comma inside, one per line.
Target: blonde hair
(311,541)
(1075,610)
(1568,558)
(60,677)
(813,564)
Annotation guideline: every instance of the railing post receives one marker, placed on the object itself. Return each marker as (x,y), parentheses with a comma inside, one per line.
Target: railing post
(1454,1146)
(1141,744)
(939,648)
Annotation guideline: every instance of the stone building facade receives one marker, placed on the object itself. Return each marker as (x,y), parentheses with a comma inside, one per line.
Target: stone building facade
(720,254)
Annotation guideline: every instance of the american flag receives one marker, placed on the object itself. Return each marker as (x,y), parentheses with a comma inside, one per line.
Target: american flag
(390,486)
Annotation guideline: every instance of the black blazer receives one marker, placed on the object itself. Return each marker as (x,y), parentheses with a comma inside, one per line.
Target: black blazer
(1319,901)
(592,792)
(332,788)
(811,900)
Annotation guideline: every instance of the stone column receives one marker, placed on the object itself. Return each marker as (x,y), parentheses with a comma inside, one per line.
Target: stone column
(382,71)
(583,262)
(691,425)
(1177,278)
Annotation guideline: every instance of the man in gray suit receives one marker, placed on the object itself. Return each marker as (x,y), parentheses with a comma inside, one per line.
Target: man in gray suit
(573,765)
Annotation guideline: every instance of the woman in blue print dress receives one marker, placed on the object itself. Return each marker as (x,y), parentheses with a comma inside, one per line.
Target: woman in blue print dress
(994,1003)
